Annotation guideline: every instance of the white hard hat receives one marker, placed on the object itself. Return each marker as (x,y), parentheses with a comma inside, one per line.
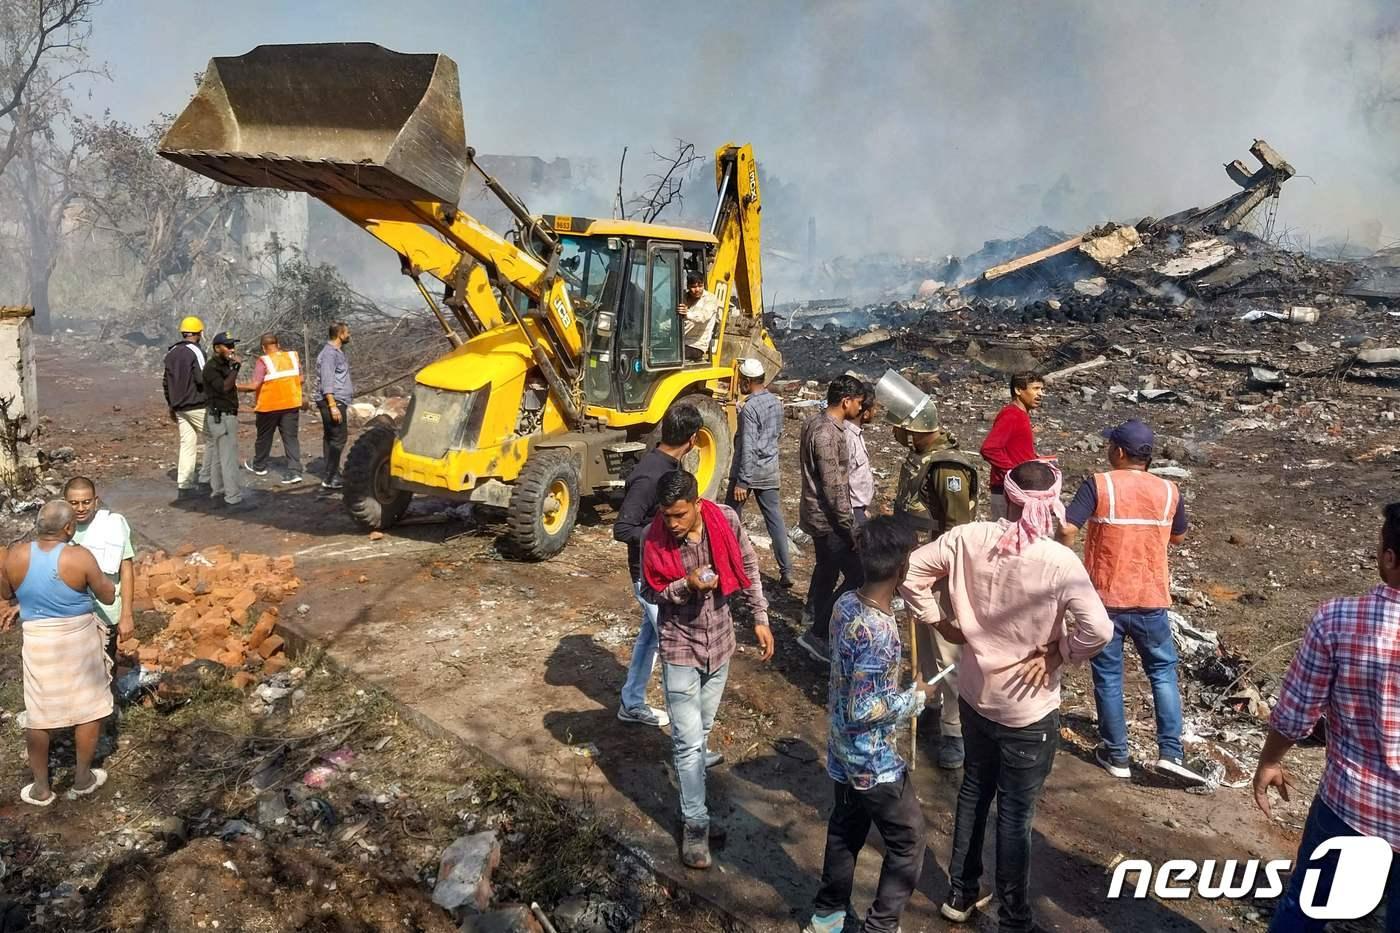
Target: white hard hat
(751,368)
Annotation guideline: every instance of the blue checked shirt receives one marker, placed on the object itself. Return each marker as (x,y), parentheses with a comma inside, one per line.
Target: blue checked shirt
(864,702)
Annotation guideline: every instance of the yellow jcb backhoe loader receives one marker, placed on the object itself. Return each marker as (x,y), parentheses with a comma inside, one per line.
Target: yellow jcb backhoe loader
(567,336)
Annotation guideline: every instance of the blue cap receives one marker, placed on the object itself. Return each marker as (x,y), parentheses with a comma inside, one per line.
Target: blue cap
(222,339)
(1132,437)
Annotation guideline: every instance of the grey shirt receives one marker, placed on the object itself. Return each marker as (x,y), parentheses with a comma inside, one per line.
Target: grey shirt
(760,430)
(333,374)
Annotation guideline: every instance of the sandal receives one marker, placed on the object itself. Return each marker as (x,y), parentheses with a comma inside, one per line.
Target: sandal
(99,777)
(28,797)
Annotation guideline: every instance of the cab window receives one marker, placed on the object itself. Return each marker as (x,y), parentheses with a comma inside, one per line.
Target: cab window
(664,348)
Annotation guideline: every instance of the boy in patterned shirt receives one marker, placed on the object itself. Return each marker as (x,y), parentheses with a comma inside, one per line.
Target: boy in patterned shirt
(866,708)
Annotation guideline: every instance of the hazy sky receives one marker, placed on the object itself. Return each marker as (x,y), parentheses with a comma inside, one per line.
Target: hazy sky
(921,126)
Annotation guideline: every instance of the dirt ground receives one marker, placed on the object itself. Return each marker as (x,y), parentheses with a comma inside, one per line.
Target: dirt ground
(524,664)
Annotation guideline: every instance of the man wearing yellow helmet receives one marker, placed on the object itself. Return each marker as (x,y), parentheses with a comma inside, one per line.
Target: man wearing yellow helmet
(184,396)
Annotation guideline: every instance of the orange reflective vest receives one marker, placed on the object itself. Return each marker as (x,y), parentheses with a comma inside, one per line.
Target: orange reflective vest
(281,385)
(1125,547)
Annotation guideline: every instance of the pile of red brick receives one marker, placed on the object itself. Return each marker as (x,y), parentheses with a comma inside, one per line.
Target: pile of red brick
(218,606)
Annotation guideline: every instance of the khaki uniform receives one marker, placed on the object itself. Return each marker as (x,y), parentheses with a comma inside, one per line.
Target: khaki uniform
(938,491)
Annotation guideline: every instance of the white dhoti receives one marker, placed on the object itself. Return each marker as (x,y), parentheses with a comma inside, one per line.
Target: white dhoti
(67,673)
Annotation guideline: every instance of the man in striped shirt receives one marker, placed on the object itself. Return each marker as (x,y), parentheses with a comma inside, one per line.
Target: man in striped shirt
(1347,669)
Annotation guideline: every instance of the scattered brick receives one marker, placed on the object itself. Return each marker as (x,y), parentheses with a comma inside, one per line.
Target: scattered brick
(243,680)
(177,593)
(166,568)
(270,646)
(275,664)
(284,564)
(208,649)
(241,603)
(184,617)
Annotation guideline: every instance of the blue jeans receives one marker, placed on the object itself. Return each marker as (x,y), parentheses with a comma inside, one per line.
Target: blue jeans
(772,509)
(1323,824)
(1152,634)
(692,699)
(634,689)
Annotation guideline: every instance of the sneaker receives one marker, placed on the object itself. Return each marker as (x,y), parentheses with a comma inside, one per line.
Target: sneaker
(254,470)
(713,759)
(815,646)
(1118,769)
(695,845)
(242,505)
(1176,767)
(215,502)
(833,922)
(951,753)
(959,908)
(332,484)
(646,715)
(186,494)
(785,582)
(293,480)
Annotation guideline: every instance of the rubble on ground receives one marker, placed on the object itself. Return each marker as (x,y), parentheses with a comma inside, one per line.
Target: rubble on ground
(210,605)
(1197,269)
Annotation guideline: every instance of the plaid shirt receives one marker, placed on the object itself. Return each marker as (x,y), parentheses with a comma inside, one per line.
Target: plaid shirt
(825,507)
(1348,669)
(695,629)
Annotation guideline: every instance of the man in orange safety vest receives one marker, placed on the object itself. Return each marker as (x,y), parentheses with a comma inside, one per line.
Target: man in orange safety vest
(1132,516)
(276,386)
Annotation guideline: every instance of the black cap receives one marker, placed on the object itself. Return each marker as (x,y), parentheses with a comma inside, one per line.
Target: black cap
(222,339)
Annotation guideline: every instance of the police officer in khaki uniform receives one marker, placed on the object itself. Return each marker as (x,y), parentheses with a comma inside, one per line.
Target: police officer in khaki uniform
(937,482)
(937,490)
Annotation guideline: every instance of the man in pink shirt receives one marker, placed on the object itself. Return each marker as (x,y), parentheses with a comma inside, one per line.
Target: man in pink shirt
(1021,605)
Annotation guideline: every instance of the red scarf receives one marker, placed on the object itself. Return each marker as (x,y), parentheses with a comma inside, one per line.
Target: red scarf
(661,558)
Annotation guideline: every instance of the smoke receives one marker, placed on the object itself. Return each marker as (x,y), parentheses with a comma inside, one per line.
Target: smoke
(900,125)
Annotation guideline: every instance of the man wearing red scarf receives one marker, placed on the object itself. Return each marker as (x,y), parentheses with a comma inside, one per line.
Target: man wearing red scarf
(695,558)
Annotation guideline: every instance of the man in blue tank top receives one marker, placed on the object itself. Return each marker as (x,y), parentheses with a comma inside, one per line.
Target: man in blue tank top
(67,675)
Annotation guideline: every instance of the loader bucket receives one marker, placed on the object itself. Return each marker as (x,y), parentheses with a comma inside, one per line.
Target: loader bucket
(349,118)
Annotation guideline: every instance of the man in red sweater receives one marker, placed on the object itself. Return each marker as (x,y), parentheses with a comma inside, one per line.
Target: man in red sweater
(1011,442)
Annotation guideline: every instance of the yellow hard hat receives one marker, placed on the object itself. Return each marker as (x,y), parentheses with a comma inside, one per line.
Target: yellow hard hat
(191,325)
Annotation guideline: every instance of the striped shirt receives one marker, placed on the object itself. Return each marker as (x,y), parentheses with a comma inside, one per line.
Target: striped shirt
(1348,669)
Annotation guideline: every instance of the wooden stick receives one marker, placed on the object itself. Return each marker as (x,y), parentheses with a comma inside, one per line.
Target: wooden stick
(1006,268)
(918,676)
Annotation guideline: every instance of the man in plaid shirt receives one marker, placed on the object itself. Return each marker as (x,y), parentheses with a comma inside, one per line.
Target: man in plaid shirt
(691,590)
(1347,669)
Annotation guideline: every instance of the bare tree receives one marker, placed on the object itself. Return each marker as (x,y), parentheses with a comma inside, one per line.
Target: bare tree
(41,48)
(173,223)
(665,185)
(44,184)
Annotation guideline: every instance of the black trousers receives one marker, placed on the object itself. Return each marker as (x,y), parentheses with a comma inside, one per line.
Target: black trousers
(285,423)
(894,811)
(333,435)
(1010,766)
(837,571)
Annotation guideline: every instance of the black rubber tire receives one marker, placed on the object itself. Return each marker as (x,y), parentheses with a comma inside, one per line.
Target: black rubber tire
(526,532)
(714,423)
(370,498)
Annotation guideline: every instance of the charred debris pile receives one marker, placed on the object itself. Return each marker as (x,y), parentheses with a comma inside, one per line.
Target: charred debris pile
(1193,271)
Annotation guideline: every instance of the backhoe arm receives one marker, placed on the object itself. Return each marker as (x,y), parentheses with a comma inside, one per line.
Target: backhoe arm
(379,137)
